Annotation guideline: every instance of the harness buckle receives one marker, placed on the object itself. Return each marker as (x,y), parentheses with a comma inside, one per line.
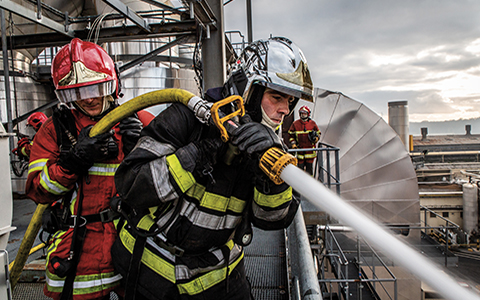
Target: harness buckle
(75,218)
(177,251)
(107,215)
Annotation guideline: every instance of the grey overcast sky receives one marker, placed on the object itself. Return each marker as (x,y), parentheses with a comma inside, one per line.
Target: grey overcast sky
(376,51)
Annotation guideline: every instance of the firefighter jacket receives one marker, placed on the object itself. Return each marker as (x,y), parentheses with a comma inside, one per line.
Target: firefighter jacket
(298,133)
(199,211)
(26,149)
(48,182)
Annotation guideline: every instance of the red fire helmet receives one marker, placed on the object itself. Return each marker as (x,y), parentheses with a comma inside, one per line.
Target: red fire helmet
(304,109)
(36,120)
(83,70)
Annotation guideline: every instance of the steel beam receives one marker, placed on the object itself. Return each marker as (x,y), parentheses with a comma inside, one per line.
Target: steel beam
(112,34)
(129,13)
(32,16)
(213,50)
(153,53)
(163,6)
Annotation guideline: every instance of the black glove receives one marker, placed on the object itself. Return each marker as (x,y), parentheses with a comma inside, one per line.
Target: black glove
(196,155)
(255,137)
(88,150)
(130,129)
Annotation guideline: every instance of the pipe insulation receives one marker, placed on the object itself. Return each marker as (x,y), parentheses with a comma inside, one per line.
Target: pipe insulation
(317,194)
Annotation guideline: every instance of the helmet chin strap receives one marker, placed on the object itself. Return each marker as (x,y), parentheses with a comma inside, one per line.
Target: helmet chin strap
(268,122)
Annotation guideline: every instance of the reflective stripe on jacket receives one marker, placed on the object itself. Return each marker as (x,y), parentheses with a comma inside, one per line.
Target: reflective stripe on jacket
(152,178)
(48,182)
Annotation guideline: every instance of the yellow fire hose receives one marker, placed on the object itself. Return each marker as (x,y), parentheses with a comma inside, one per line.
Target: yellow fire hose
(272,162)
(107,122)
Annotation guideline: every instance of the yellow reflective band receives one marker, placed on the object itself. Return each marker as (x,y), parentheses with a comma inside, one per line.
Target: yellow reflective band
(311,155)
(273,200)
(208,280)
(51,185)
(84,284)
(73,201)
(146,222)
(214,201)
(103,169)
(57,238)
(37,165)
(158,265)
(24,152)
(183,178)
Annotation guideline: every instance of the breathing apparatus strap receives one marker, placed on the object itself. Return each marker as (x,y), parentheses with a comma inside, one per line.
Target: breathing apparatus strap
(139,247)
(78,237)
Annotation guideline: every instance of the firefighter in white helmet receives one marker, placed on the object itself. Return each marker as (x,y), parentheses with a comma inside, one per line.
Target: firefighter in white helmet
(188,213)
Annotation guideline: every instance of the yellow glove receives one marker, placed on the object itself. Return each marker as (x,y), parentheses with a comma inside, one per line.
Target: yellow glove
(316,140)
(294,145)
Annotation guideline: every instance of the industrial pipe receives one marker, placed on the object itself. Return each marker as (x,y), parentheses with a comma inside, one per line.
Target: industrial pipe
(318,195)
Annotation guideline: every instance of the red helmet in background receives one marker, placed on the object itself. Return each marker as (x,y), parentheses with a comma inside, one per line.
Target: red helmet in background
(304,109)
(36,120)
(83,70)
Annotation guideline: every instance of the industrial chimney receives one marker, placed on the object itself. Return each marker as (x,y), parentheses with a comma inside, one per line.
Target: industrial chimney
(398,120)
(424,131)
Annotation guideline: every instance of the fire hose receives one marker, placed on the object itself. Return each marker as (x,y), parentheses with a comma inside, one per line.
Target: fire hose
(279,166)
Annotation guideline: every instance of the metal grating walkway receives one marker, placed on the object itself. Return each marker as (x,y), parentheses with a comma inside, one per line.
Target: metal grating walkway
(265,263)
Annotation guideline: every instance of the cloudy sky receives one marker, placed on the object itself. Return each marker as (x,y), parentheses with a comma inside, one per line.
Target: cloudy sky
(376,51)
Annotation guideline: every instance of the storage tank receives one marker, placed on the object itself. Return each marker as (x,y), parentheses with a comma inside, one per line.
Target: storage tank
(470,207)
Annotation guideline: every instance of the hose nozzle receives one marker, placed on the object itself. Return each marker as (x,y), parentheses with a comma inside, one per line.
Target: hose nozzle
(273,161)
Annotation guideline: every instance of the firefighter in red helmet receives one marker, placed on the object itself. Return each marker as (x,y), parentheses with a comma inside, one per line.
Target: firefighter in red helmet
(24,145)
(74,172)
(304,133)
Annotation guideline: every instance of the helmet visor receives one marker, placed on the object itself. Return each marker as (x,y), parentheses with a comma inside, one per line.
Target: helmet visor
(286,90)
(86,92)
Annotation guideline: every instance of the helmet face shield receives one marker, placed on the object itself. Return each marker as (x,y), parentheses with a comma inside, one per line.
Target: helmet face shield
(86,92)
(83,70)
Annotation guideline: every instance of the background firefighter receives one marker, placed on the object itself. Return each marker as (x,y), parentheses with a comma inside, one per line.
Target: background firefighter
(189,212)
(67,164)
(304,134)
(24,145)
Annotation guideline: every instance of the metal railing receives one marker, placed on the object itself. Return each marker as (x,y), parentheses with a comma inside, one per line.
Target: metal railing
(339,264)
(447,234)
(326,167)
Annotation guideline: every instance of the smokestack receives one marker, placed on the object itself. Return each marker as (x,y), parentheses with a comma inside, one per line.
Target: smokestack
(424,131)
(468,129)
(398,119)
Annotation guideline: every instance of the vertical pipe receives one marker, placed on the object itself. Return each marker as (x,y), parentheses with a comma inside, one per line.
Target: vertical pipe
(6,75)
(249,21)
(213,50)
(337,170)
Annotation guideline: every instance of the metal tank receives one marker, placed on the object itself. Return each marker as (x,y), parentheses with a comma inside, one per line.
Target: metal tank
(470,207)
(147,76)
